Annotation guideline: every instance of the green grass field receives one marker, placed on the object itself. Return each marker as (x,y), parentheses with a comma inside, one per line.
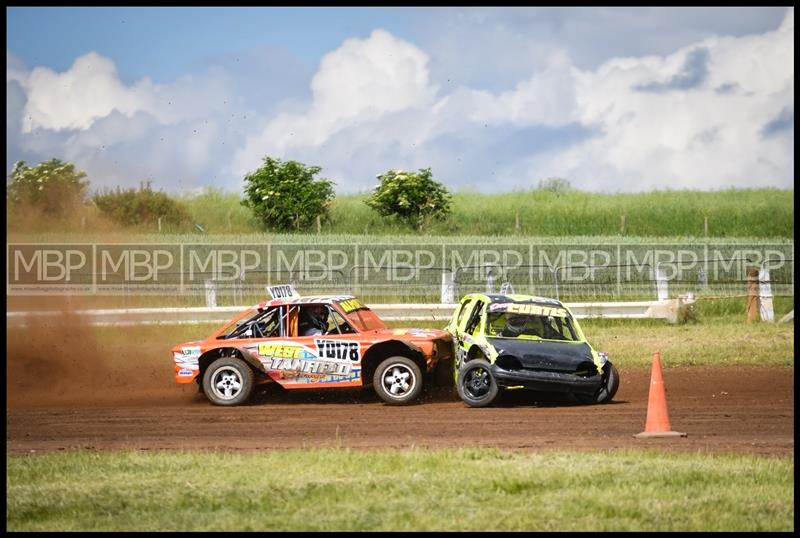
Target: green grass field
(730,213)
(766,213)
(388,490)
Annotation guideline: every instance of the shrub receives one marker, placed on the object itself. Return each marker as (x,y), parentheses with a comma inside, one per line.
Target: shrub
(414,198)
(556,185)
(286,196)
(132,207)
(53,187)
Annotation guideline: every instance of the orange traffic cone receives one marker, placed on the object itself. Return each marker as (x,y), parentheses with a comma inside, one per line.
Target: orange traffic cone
(657,417)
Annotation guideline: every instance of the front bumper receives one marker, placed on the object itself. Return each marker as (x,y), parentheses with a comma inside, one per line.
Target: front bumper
(185,374)
(546,381)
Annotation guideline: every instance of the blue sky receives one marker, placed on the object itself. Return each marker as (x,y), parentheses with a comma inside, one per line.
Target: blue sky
(613,99)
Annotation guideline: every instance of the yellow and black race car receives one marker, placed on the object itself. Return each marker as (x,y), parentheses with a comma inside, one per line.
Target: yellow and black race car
(525,342)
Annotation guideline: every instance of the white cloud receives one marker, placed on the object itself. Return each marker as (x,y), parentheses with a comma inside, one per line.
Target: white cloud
(91,90)
(357,84)
(685,138)
(76,98)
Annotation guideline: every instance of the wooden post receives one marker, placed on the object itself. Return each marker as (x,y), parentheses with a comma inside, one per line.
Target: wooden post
(752,295)
(705,226)
(516,221)
(319,225)
(229,221)
(622,225)
(159,224)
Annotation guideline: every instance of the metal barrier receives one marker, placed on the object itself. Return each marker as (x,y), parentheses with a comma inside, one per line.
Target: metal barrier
(389,312)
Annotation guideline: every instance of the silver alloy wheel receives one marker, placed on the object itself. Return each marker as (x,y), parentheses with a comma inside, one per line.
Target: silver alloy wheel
(226,383)
(398,380)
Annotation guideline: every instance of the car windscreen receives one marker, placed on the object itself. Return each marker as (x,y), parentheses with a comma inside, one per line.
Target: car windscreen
(525,325)
(361,317)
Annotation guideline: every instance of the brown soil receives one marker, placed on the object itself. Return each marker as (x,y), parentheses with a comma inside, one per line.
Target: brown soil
(67,390)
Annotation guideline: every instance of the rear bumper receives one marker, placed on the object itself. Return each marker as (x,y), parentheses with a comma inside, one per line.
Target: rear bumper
(546,381)
(443,352)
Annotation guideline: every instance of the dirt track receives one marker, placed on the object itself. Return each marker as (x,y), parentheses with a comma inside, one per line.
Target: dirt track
(744,410)
(70,387)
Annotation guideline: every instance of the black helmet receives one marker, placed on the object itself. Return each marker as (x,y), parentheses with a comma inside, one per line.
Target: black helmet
(516,321)
(318,314)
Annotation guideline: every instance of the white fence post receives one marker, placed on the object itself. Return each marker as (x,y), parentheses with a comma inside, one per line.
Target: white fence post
(661,285)
(448,295)
(765,295)
(211,294)
(490,281)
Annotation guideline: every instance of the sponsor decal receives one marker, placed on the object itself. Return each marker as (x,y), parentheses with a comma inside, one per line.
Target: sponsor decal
(285,351)
(536,310)
(355,374)
(185,372)
(190,351)
(338,349)
(186,361)
(293,360)
(306,366)
(350,305)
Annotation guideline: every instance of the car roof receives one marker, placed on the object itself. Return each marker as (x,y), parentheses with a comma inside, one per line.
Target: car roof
(320,299)
(515,298)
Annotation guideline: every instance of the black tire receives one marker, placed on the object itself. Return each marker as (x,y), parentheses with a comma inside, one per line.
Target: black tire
(228,381)
(397,380)
(607,389)
(476,384)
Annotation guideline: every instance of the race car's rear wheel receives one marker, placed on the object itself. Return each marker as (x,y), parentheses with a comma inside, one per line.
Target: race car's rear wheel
(607,389)
(228,381)
(397,380)
(476,384)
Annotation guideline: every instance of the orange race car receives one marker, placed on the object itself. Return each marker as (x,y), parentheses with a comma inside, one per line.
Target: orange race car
(311,342)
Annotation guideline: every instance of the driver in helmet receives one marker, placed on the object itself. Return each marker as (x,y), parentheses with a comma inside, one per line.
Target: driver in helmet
(515,325)
(313,320)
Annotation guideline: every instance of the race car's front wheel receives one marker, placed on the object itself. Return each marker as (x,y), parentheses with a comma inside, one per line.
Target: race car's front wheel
(607,389)
(397,380)
(228,381)
(476,384)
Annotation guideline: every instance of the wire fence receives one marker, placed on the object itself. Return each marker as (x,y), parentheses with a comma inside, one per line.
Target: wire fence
(424,284)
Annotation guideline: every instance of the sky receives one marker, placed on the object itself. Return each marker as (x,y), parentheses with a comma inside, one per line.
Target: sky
(491,99)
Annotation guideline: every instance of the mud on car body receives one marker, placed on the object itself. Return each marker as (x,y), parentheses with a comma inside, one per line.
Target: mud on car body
(311,342)
(521,341)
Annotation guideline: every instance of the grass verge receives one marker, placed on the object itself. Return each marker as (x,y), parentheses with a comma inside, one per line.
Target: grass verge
(416,489)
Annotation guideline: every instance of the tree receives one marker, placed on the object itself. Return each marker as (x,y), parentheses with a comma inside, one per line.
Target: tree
(131,207)
(413,197)
(54,187)
(286,196)
(556,185)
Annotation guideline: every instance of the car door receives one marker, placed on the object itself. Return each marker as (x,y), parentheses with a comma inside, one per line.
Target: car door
(333,358)
(467,324)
